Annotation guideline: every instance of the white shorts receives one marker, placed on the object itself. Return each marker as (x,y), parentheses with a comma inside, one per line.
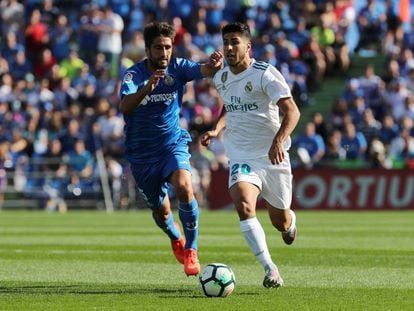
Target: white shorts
(274,181)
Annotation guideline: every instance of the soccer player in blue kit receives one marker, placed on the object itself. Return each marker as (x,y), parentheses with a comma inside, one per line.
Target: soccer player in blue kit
(156,146)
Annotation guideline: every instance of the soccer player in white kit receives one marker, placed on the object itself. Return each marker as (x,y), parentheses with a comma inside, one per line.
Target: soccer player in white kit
(257,142)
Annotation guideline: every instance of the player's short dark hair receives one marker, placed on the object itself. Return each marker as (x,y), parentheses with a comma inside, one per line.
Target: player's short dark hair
(154,30)
(241,28)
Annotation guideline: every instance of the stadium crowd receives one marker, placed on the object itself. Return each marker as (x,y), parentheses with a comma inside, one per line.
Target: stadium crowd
(60,63)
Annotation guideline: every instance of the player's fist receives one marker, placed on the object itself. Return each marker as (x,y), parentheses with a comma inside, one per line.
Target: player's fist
(206,137)
(216,59)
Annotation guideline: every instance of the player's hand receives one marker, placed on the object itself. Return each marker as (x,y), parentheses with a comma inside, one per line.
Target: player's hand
(216,59)
(155,79)
(207,137)
(276,153)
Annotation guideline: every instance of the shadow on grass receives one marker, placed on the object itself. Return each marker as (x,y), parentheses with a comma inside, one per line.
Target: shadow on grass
(82,289)
(87,289)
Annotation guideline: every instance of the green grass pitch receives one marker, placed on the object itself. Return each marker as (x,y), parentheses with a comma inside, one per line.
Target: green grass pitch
(121,261)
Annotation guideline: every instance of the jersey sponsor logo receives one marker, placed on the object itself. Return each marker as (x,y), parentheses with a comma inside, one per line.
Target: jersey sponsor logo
(241,107)
(162,97)
(248,87)
(128,77)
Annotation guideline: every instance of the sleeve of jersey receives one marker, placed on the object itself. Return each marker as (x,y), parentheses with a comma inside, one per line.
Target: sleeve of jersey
(129,83)
(189,70)
(275,85)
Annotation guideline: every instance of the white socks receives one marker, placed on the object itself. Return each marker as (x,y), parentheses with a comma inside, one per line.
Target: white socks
(293,223)
(255,236)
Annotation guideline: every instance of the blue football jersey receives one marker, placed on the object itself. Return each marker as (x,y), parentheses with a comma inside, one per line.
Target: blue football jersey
(153,128)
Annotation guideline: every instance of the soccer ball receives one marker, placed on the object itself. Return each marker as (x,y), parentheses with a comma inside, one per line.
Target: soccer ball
(217,280)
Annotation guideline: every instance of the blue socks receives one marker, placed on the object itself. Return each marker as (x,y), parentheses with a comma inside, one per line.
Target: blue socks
(189,213)
(168,227)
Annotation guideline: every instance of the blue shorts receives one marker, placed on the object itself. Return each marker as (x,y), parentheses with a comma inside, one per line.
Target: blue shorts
(151,178)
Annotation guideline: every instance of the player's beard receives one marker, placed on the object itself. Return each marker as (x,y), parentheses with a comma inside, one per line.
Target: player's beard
(158,64)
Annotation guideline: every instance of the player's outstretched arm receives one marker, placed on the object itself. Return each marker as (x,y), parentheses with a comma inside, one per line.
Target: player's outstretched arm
(290,120)
(132,101)
(220,124)
(214,64)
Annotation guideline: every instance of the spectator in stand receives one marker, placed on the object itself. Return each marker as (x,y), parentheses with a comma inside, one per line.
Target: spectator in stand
(394,32)
(43,66)
(54,125)
(377,155)
(88,98)
(80,164)
(371,21)
(371,84)
(71,135)
(37,36)
(325,37)
(409,106)
(202,37)
(11,47)
(407,123)
(136,18)
(60,36)
(110,40)
(334,151)
(369,126)
(402,148)
(4,66)
(353,142)
(20,66)
(395,96)
(83,78)
(320,125)
(182,9)
(111,131)
(65,94)
(6,87)
(300,35)
(389,130)
(12,16)
(70,66)
(46,96)
(214,13)
(134,48)
(49,12)
(310,147)
(187,49)
(55,170)
(88,33)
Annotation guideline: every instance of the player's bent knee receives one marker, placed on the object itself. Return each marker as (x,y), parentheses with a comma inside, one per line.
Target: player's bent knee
(245,210)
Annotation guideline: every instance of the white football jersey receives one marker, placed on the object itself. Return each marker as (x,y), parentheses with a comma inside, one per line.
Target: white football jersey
(252,118)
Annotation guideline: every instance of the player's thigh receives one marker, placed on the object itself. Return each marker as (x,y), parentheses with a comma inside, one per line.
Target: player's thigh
(151,185)
(277,184)
(244,187)
(177,170)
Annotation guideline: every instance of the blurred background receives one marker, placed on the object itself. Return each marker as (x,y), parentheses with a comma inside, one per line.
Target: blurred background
(349,64)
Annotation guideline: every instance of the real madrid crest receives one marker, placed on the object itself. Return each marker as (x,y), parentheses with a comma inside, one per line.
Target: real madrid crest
(224,77)
(169,80)
(248,87)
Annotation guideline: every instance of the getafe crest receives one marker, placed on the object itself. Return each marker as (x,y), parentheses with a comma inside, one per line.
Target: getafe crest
(248,87)
(169,80)
(128,77)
